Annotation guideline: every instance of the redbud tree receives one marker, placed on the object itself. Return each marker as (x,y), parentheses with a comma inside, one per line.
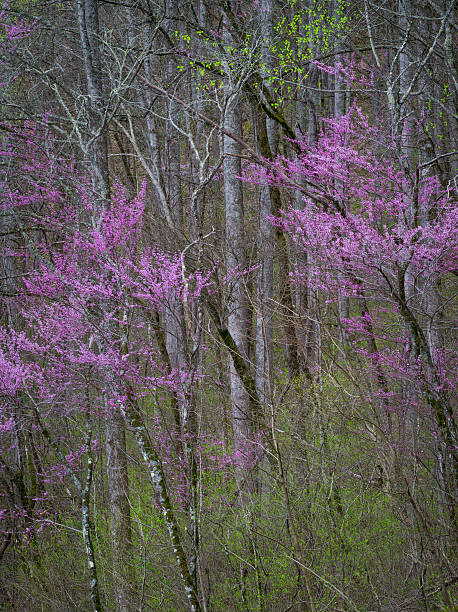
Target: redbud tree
(385,240)
(81,340)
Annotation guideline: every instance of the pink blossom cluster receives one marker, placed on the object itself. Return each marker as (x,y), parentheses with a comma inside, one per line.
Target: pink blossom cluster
(86,279)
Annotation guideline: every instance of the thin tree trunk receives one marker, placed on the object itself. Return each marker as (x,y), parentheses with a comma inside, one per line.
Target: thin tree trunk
(88,529)
(116,468)
(266,234)
(343,303)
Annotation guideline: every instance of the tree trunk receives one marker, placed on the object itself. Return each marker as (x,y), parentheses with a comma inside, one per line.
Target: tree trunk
(343,303)
(116,468)
(239,315)
(266,234)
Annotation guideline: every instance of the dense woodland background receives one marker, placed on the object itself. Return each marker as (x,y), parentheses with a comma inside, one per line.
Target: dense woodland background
(228,240)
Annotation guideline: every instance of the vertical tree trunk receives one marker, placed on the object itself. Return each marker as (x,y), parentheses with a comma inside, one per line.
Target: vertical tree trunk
(116,468)
(310,308)
(406,110)
(239,316)
(174,314)
(340,87)
(266,234)
(451,60)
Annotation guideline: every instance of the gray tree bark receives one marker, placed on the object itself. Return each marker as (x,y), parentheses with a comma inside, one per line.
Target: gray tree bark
(340,109)
(116,457)
(266,234)
(239,315)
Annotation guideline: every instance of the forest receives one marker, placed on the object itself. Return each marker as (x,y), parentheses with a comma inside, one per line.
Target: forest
(228,239)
